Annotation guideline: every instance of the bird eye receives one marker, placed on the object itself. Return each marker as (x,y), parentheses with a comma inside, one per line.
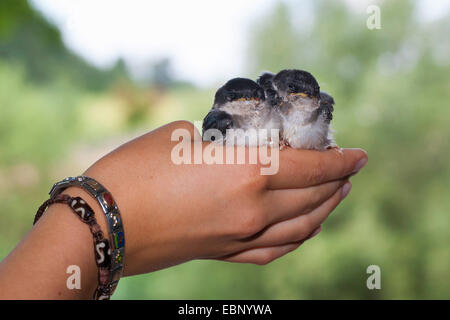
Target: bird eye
(230,96)
(291,86)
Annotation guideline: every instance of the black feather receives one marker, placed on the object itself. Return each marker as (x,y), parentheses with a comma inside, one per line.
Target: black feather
(238,88)
(326,105)
(265,80)
(217,119)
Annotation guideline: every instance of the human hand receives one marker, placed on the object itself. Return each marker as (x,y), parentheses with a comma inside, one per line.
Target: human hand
(176,213)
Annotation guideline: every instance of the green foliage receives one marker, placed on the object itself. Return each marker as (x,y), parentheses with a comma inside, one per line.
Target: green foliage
(26,37)
(275,42)
(37,126)
(30,117)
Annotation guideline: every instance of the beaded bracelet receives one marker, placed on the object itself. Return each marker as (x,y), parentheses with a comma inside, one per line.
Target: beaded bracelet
(102,249)
(113,218)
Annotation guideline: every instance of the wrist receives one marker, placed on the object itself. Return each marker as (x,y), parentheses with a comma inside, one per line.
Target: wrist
(63,244)
(109,249)
(121,194)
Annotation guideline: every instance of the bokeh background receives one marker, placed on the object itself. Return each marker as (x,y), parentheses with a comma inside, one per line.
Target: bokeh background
(78,78)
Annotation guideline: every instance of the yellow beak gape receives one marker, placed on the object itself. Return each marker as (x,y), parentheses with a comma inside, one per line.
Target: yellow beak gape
(301,94)
(247,99)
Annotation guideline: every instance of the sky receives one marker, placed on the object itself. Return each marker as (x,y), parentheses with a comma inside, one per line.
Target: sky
(205,40)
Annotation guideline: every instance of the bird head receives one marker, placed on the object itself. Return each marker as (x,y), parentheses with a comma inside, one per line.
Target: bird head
(233,102)
(298,86)
(239,89)
(326,98)
(217,119)
(265,80)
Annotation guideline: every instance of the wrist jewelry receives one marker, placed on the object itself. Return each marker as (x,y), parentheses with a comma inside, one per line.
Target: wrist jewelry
(112,214)
(102,251)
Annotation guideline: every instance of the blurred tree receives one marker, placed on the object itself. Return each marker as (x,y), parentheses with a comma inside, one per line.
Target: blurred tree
(26,37)
(119,71)
(274,43)
(161,73)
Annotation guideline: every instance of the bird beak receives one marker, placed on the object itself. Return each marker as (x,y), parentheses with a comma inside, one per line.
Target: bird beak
(301,94)
(247,99)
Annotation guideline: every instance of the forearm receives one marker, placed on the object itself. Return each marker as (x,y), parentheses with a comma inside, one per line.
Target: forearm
(37,267)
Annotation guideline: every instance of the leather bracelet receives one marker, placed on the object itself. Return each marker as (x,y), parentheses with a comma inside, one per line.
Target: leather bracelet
(112,214)
(102,250)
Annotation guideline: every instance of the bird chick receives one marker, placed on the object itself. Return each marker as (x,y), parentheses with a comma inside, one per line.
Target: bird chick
(305,111)
(265,80)
(241,104)
(326,106)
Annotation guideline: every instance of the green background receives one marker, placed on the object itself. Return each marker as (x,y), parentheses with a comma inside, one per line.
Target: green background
(392,92)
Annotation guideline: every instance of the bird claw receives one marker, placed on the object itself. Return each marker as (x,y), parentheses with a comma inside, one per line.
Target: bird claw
(335,147)
(283,144)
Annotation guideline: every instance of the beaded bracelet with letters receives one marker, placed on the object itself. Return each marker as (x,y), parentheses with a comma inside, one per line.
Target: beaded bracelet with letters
(101,245)
(112,214)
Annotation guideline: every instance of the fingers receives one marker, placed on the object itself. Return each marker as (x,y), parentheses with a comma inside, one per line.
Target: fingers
(262,256)
(303,168)
(181,124)
(285,204)
(298,228)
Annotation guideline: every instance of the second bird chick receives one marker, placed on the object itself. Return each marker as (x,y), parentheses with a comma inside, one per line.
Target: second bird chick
(306,112)
(240,109)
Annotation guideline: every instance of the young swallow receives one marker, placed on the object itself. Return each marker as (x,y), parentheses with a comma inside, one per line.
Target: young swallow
(326,106)
(241,104)
(306,112)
